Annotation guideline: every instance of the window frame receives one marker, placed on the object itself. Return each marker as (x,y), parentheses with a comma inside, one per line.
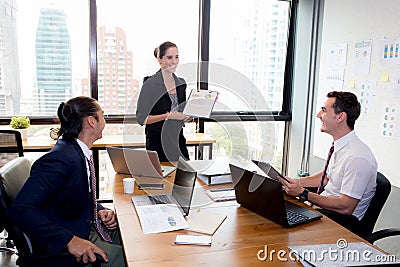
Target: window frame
(204,30)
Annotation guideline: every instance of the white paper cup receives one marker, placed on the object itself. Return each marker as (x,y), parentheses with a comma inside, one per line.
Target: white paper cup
(129,185)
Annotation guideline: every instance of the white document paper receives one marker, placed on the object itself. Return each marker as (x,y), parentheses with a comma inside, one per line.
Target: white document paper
(200,103)
(362,57)
(160,218)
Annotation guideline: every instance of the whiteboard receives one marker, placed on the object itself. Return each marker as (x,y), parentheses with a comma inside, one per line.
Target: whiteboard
(359,52)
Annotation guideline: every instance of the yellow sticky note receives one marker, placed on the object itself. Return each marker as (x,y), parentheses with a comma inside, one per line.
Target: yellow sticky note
(384,76)
(352,84)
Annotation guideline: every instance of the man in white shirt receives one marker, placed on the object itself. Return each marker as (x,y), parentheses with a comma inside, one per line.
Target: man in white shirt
(350,180)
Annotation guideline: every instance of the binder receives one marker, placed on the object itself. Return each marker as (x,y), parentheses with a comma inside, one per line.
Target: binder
(212,172)
(213,179)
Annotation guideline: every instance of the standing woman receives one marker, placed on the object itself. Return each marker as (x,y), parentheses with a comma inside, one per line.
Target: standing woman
(160,105)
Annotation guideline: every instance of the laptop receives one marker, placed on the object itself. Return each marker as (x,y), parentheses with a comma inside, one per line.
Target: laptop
(182,190)
(138,162)
(265,197)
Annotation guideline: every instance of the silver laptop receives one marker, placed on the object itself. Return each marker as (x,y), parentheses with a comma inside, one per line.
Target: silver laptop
(182,190)
(138,162)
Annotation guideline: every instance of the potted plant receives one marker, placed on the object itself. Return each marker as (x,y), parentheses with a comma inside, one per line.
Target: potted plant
(21,123)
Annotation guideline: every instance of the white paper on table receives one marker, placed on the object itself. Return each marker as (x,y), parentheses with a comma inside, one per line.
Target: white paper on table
(160,218)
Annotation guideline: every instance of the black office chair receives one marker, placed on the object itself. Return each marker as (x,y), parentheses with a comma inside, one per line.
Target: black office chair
(364,228)
(10,146)
(367,223)
(12,177)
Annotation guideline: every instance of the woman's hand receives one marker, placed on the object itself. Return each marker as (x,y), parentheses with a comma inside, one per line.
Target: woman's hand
(175,115)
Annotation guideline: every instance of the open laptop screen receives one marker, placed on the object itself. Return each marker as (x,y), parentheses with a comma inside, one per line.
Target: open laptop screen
(259,194)
(185,177)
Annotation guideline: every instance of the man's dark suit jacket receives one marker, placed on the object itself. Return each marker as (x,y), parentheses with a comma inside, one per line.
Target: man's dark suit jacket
(55,204)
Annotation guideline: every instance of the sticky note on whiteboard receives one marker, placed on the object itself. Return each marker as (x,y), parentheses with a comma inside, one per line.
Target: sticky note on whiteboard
(352,84)
(384,76)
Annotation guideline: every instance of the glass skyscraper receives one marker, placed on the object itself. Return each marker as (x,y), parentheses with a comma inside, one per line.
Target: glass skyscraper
(53,62)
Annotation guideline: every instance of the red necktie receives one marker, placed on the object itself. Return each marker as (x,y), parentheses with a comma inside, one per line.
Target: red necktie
(99,227)
(321,186)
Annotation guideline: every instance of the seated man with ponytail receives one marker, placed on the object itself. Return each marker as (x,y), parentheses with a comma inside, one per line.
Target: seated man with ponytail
(55,208)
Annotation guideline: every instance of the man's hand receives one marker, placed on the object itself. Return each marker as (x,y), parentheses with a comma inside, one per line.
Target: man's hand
(84,250)
(108,218)
(292,186)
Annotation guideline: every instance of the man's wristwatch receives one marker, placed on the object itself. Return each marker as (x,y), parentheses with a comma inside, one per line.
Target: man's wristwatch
(304,195)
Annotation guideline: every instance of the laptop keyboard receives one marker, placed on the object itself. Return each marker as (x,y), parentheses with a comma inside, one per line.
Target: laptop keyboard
(294,217)
(159,199)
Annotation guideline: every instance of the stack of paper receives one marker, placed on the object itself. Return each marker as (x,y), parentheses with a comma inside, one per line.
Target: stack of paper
(221,194)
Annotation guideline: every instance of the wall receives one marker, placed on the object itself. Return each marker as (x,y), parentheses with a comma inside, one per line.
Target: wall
(350,22)
(362,28)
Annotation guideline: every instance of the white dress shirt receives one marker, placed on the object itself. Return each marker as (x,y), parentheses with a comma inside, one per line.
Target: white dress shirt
(352,171)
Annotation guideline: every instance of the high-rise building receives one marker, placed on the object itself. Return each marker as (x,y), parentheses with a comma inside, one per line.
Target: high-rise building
(264,64)
(116,85)
(10,87)
(53,62)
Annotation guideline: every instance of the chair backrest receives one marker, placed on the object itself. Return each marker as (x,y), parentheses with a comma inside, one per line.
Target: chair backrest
(13,176)
(367,223)
(15,170)
(10,145)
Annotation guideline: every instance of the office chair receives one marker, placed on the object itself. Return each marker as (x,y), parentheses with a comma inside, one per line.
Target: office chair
(364,228)
(367,223)
(12,177)
(10,146)
(12,185)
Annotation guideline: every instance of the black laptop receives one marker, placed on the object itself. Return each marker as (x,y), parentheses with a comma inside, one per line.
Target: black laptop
(265,197)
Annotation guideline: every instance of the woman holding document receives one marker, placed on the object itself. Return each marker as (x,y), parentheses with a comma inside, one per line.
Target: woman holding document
(160,105)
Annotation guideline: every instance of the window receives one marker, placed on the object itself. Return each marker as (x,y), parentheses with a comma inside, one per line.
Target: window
(245,52)
(137,28)
(247,140)
(50,58)
(241,45)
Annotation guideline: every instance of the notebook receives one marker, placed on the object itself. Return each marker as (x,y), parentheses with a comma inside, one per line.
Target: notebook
(182,190)
(138,162)
(265,197)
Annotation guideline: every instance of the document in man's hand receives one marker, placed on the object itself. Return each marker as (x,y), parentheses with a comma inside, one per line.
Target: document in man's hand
(160,218)
(200,103)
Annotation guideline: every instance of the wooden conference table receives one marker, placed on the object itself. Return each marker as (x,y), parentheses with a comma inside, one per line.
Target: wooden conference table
(235,243)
